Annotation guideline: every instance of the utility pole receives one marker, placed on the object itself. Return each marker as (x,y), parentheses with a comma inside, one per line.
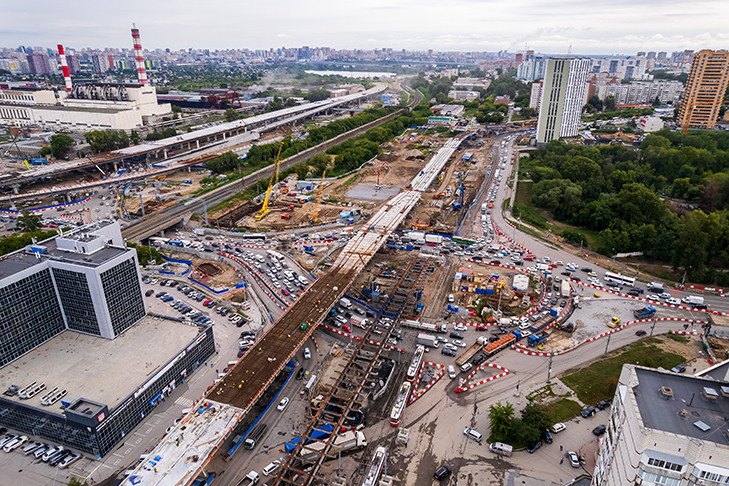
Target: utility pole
(653,326)
(608,341)
(549,370)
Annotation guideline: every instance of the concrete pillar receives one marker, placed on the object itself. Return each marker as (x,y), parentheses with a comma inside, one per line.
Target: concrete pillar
(116,167)
(68,197)
(339,482)
(165,153)
(16,189)
(198,143)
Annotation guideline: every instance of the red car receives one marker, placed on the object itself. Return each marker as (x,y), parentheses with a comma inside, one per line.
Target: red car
(346,327)
(481,327)
(206,302)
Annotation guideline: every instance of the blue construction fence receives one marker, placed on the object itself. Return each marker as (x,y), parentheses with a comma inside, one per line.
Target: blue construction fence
(203,285)
(353,299)
(32,210)
(290,364)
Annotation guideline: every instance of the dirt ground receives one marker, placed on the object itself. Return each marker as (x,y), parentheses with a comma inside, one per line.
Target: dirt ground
(226,279)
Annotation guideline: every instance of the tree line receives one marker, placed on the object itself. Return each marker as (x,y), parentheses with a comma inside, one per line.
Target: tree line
(622,194)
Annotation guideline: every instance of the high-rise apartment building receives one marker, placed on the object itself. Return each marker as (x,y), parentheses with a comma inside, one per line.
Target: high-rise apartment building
(563,96)
(666,428)
(705,88)
(39,64)
(535,96)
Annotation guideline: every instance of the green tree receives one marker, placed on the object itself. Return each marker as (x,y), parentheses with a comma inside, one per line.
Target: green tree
(537,415)
(317,94)
(226,162)
(501,418)
(231,115)
(320,162)
(29,222)
(61,145)
(302,170)
(609,103)
(106,140)
(45,150)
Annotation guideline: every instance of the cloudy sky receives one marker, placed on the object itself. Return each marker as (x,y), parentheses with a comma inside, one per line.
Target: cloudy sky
(547,26)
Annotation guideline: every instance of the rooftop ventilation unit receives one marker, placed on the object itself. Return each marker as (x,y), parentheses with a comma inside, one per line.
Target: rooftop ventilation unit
(666,391)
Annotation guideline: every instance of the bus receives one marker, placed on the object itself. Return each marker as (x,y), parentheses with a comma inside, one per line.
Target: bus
(252,238)
(619,279)
(255,436)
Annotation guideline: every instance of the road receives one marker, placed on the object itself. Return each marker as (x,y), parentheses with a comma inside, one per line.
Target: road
(541,249)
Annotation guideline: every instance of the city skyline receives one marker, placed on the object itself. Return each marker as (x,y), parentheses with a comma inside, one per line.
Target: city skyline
(624,28)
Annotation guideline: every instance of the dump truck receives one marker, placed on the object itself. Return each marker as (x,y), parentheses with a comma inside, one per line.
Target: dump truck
(535,339)
(645,313)
(469,353)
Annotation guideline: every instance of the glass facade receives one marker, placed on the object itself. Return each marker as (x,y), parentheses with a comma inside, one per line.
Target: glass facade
(30,314)
(73,289)
(122,419)
(123,295)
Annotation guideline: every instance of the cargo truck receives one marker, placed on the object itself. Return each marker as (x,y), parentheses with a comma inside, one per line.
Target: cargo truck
(645,313)
(424,326)
(541,326)
(250,479)
(470,352)
(693,300)
(566,289)
(535,339)
(433,239)
(427,340)
(346,303)
(349,440)
(359,322)
(502,343)
(655,286)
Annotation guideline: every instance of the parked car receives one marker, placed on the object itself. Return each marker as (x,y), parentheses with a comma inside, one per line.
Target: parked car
(573,458)
(558,427)
(534,447)
(640,332)
(442,472)
(679,368)
(599,430)
(282,404)
(588,412)
(603,404)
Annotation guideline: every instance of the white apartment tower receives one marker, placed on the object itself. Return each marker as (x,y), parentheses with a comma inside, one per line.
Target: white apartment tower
(563,96)
(666,429)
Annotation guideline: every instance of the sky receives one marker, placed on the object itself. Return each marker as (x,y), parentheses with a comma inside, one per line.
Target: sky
(546,26)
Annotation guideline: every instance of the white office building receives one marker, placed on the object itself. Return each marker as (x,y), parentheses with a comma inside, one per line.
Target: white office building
(665,429)
(563,96)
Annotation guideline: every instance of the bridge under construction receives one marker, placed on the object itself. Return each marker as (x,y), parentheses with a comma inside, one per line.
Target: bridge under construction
(257,369)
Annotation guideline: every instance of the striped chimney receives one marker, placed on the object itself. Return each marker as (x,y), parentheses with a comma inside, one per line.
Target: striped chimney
(64,67)
(139,56)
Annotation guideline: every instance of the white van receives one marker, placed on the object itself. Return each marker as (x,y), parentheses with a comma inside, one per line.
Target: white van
(451,372)
(472,434)
(271,468)
(501,448)
(307,353)
(466,366)
(303,281)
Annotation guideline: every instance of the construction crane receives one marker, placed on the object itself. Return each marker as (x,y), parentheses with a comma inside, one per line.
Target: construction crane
(271,184)
(315,215)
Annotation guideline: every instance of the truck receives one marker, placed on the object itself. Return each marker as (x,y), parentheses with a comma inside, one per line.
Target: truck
(359,322)
(655,286)
(645,313)
(537,338)
(250,479)
(437,239)
(424,326)
(502,343)
(471,352)
(566,289)
(346,303)
(537,327)
(427,340)
(199,231)
(255,436)
(342,443)
(416,236)
(693,300)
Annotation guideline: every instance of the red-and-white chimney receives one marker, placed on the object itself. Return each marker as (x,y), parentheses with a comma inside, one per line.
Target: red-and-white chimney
(64,67)
(139,56)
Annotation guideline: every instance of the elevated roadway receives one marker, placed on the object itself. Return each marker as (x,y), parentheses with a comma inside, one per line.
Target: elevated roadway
(151,152)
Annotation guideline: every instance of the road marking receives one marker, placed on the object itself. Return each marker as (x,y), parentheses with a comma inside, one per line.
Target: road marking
(185,402)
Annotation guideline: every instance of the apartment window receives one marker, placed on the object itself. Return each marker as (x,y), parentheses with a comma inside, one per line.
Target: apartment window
(658,479)
(715,477)
(664,464)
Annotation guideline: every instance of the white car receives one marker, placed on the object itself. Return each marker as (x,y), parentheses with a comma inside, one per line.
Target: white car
(558,427)
(282,404)
(653,297)
(673,301)
(450,346)
(460,327)
(460,344)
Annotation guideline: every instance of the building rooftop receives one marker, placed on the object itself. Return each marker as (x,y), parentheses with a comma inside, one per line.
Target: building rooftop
(690,411)
(96,368)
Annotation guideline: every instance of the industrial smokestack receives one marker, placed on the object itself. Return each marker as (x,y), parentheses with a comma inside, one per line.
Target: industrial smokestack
(139,56)
(64,67)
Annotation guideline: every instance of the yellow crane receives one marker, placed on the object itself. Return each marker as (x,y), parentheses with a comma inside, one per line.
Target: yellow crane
(273,182)
(315,215)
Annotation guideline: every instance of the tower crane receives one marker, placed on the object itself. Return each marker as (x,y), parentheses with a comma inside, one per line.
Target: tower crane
(273,182)
(315,215)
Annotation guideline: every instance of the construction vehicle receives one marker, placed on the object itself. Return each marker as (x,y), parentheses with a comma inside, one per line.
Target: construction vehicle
(645,312)
(421,225)
(314,218)
(285,216)
(502,343)
(272,183)
(439,195)
(535,339)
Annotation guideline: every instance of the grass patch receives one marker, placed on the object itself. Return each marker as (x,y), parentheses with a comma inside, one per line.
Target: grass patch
(563,409)
(599,380)
(505,204)
(523,207)
(678,338)
(350,182)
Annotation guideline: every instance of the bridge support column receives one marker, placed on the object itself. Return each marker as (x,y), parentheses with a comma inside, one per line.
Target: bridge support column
(16,189)
(165,153)
(68,197)
(197,142)
(116,167)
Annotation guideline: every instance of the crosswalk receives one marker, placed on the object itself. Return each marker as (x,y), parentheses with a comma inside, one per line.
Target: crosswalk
(185,402)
